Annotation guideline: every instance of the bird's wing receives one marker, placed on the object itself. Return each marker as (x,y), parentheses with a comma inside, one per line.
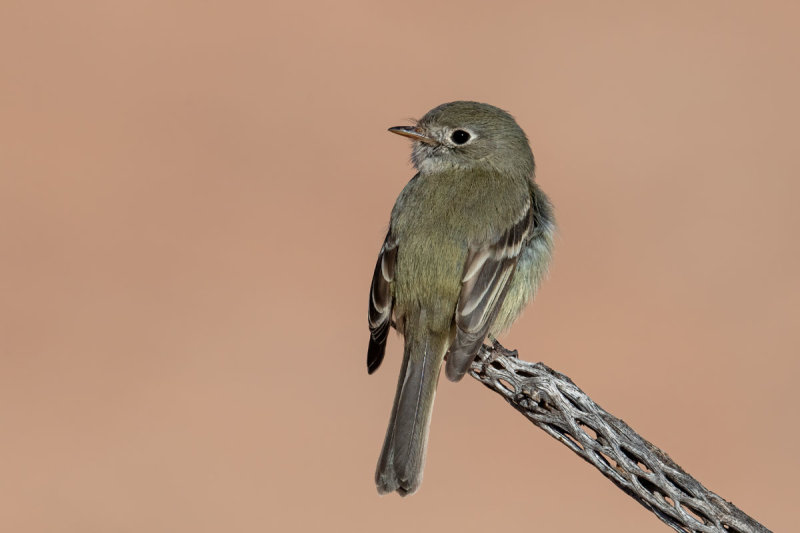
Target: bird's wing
(487,271)
(381,303)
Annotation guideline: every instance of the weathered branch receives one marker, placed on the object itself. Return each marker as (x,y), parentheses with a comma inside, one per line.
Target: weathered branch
(555,404)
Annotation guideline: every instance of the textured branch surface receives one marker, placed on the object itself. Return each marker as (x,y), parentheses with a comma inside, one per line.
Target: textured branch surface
(554,403)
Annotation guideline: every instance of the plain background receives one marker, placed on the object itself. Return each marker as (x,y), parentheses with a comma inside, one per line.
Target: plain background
(192,196)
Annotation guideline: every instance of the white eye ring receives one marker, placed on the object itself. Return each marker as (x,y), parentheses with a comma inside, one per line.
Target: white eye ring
(460,137)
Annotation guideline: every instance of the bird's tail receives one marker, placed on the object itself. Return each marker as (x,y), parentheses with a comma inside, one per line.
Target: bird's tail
(403,456)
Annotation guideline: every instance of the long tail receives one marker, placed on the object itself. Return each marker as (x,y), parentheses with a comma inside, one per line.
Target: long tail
(403,456)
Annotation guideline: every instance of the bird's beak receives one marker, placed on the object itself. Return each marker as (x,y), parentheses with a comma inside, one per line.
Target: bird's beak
(413,132)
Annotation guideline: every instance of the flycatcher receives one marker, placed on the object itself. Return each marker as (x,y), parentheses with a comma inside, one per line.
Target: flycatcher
(469,240)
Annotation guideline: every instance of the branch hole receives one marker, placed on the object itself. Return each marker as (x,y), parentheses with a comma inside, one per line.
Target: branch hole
(524,373)
(496,364)
(635,459)
(675,523)
(664,498)
(697,514)
(608,460)
(506,385)
(574,440)
(728,527)
(648,485)
(591,433)
(566,437)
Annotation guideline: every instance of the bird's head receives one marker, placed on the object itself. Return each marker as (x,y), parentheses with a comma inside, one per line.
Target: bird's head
(462,134)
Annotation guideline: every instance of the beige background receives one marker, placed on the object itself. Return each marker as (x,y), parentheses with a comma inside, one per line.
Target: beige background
(192,195)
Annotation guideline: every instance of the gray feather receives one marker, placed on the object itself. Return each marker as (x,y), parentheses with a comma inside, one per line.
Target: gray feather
(402,458)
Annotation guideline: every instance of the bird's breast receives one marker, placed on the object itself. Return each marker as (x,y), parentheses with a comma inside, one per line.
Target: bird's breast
(436,219)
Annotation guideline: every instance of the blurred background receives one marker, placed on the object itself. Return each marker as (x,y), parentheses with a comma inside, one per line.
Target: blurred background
(193,194)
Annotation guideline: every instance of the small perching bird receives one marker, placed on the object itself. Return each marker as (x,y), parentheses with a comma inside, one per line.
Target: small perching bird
(469,240)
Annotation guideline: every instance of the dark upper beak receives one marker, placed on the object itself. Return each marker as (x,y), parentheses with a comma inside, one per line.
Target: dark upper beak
(413,132)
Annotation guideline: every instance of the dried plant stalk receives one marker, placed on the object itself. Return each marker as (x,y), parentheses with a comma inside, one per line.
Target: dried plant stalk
(555,404)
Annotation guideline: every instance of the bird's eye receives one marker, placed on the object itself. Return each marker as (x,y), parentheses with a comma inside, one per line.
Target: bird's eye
(459,136)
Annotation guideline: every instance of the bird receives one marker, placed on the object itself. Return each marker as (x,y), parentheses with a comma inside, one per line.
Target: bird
(469,240)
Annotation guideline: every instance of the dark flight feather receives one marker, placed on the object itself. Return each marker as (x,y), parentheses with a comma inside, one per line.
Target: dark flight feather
(381,303)
(483,289)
